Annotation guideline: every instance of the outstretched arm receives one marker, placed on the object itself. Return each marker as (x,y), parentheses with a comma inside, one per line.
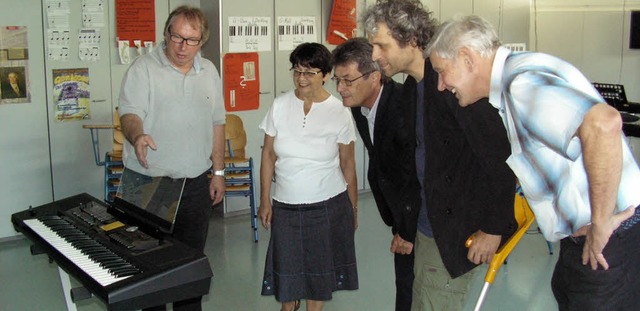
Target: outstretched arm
(133,130)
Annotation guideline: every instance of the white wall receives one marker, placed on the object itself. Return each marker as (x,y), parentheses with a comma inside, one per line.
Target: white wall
(593,35)
(25,170)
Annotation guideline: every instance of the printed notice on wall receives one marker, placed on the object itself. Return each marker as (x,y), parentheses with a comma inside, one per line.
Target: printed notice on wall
(293,30)
(71,94)
(342,23)
(249,34)
(14,65)
(241,81)
(58,29)
(92,13)
(135,20)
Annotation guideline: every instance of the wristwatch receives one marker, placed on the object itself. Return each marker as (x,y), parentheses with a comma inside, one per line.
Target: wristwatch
(218,172)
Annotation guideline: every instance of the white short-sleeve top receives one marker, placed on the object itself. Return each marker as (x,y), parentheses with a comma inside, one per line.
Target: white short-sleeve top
(307,168)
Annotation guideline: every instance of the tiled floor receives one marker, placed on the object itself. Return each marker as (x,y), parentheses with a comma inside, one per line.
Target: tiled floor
(32,283)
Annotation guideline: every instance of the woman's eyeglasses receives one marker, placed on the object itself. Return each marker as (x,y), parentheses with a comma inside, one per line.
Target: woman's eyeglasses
(306,74)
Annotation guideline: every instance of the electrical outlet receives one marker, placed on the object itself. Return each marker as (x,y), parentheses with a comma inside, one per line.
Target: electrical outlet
(516,47)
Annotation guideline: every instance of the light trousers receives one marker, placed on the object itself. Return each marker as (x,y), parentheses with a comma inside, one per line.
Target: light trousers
(433,288)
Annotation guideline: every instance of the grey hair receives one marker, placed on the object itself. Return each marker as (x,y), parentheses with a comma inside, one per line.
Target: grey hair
(473,32)
(407,21)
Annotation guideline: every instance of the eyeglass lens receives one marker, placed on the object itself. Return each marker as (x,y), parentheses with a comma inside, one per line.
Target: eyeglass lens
(179,39)
(306,74)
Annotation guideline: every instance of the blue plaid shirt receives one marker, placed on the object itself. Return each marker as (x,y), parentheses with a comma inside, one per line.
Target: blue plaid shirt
(542,101)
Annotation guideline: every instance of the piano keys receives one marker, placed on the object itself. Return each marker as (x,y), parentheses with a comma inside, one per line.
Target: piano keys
(123,278)
(89,255)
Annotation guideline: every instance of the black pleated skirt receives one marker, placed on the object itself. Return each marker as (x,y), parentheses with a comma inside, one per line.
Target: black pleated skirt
(311,252)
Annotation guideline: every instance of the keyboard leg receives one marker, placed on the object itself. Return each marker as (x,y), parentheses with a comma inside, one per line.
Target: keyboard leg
(66,289)
(80,293)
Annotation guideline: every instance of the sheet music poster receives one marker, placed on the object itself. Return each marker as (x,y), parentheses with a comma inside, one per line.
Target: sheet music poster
(249,34)
(59,30)
(293,30)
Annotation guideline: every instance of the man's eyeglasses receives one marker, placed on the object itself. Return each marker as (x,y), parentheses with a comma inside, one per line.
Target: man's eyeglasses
(179,39)
(347,82)
(306,74)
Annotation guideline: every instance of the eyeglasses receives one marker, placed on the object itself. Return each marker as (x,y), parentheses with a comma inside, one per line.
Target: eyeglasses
(347,82)
(179,39)
(306,74)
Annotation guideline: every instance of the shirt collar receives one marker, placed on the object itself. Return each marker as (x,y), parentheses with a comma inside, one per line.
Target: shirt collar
(495,93)
(366,111)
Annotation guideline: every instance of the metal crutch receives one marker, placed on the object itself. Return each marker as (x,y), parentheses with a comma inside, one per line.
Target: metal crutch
(524,216)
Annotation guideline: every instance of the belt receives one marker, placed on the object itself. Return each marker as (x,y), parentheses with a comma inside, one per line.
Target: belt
(632,221)
(624,226)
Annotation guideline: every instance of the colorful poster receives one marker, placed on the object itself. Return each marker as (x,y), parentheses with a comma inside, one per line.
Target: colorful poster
(342,23)
(14,65)
(71,94)
(241,81)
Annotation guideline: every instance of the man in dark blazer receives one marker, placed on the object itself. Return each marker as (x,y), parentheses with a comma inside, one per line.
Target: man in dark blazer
(467,188)
(380,117)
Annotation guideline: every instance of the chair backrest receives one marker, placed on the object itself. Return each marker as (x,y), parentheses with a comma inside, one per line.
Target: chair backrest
(118,135)
(236,137)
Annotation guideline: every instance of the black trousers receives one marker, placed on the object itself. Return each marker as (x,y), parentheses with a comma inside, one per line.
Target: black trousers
(404,280)
(191,227)
(578,287)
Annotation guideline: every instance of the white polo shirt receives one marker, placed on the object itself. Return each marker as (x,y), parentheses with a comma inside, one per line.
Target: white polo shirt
(178,110)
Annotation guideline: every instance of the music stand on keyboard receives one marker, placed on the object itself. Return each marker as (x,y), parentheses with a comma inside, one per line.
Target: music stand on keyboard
(152,201)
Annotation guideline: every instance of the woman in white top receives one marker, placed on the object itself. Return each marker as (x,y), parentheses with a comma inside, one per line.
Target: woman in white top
(309,152)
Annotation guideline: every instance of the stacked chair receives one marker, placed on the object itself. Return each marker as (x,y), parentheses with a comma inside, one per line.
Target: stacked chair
(112,163)
(239,170)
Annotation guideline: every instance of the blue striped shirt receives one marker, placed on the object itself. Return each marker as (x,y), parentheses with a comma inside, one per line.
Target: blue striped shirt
(542,101)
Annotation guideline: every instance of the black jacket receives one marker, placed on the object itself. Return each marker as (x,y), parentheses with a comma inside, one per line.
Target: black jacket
(469,186)
(392,172)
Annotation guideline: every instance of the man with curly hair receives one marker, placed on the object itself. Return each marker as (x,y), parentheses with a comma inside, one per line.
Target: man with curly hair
(466,187)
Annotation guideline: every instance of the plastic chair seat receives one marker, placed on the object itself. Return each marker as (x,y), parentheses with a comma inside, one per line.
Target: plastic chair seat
(234,188)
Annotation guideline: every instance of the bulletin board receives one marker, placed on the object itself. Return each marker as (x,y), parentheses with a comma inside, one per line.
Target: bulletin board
(241,76)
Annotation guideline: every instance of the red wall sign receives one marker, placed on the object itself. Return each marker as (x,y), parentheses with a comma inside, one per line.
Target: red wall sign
(241,76)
